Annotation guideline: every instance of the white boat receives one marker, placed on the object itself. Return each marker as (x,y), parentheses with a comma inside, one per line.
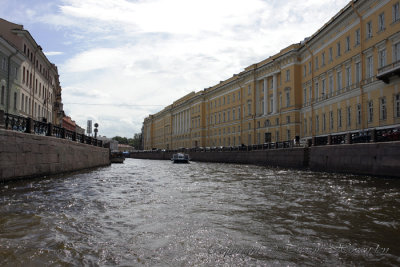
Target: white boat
(180,158)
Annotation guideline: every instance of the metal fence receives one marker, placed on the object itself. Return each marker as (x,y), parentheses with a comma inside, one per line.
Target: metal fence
(28,125)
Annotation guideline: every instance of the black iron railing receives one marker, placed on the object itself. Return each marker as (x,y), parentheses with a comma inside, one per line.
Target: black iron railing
(28,125)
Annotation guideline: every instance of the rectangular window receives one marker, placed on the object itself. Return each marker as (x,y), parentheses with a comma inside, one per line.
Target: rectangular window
(249,90)
(316,91)
(383,112)
(358,113)
(331,119)
(397,106)
(370,111)
(310,124)
(395,12)
(249,109)
(370,67)
(339,118)
(358,72)
(396,49)
(305,70)
(382,58)
(317,123)
(316,62)
(309,67)
(323,59)
(324,122)
(239,95)
(330,54)
(381,22)
(369,30)
(287,119)
(338,49)
(323,87)
(305,95)
(348,43)
(348,116)
(339,81)
(287,99)
(15,100)
(330,85)
(305,126)
(22,102)
(287,75)
(357,37)
(348,76)
(2,95)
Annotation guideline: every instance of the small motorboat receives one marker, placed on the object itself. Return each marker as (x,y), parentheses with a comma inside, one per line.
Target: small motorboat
(117,157)
(180,158)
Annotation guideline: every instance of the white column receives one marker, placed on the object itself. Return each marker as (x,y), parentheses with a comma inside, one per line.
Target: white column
(265,96)
(180,122)
(275,92)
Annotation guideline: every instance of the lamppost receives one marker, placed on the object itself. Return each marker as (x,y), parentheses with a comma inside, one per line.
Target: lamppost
(95,129)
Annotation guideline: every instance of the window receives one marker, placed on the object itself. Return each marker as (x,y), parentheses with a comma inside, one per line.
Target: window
(323,87)
(348,116)
(397,106)
(249,90)
(229,99)
(22,102)
(305,126)
(316,62)
(233,98)
(339,118)
(239,95)
(331,119)
(370,111)
(233,115)
(396,52)
(317,123)
(310,94)
(369,29)
(249,108)
(348,43)
(395,12)
(15,100)
(305,70)
(382,58)
(330,54)
(358,113)
(277,121)
(357,37)
(330,85)
(223,101)
(277,136)
(323,59)
(2,95)
(287,119)
(339,81)
(287,75)
(338,49)
(358,72)
(310,124)
(348,76)
(239,114)
(287,98)
(288,135)
(370,66)
(381,22)
(316,91)
(383,112)
(309,67)
(224,117)
(305,96)
(324,122)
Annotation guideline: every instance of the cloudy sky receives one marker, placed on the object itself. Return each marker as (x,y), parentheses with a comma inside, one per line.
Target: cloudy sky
(121,60)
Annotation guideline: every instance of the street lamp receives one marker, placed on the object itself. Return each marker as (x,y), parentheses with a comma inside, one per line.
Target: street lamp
(95,129)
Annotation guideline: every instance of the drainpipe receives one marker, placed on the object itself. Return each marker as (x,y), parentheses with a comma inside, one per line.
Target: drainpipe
(361,63)
(8,80)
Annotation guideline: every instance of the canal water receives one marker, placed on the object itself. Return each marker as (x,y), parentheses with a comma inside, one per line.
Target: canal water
(155,213)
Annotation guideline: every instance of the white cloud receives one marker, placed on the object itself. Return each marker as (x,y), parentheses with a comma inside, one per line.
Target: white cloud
(53,53)
(155,51)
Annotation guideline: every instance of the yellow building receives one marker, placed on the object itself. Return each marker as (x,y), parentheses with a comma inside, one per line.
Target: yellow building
(343,79)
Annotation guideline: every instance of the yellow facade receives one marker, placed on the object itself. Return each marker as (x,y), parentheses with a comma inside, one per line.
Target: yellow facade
(342,79)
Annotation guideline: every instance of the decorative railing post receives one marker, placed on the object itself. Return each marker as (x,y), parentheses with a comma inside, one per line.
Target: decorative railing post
(50,129)
(29,126)
(2,120)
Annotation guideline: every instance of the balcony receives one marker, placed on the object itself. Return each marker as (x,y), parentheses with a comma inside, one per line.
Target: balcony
(388,71)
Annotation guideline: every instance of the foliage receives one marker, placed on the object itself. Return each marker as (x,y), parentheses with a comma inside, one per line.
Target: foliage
(136,141)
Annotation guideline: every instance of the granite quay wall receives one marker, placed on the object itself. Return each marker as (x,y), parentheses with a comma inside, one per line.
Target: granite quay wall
(25,155)
(289,157)
(378,159)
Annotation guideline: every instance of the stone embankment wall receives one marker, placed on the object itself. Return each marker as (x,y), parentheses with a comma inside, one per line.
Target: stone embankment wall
(378,159)
(290,158)
(27,155)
